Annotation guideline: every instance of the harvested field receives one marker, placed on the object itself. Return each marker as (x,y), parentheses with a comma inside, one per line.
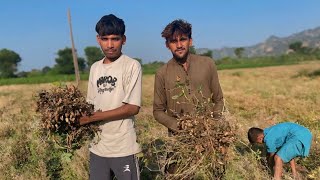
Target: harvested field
(254,97)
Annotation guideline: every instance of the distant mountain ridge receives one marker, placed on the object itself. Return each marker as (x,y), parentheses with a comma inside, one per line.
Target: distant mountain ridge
(272,46)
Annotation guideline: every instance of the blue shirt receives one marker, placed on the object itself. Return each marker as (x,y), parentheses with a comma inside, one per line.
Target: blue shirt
(275,136)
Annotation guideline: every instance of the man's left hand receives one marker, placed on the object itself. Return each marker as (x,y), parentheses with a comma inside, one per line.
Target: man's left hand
(84,120)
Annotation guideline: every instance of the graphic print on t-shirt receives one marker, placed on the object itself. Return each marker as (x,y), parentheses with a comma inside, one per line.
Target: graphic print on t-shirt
(106,83)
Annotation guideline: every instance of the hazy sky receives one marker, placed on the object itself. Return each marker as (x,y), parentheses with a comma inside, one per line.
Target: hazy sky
(37,29)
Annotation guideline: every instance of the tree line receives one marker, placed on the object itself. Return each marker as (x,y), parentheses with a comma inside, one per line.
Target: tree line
(9,60)
(297,52)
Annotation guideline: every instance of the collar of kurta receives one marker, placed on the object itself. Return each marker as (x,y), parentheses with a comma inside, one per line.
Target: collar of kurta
(188,61)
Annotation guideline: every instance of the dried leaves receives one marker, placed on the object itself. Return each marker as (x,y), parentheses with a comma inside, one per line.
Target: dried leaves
(199,149)
(61,109)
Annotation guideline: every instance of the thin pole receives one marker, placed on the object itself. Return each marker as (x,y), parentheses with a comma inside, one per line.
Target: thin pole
(74,53)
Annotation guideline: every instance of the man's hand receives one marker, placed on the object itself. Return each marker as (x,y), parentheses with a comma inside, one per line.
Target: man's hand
(270,160)
(84,120)
(217,116)
(173,132)
(293,168)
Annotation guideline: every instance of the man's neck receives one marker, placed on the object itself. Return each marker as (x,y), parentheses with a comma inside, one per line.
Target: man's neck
(183,62)
(108,60)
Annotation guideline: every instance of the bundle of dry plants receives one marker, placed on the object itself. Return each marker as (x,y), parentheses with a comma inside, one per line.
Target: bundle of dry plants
(199,149)
(61,109)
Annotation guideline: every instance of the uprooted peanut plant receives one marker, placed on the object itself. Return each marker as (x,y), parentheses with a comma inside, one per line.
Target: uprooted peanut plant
(199,149)
(61,109)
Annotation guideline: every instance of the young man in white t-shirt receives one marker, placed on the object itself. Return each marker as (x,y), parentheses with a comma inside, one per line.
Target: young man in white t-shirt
(114,88)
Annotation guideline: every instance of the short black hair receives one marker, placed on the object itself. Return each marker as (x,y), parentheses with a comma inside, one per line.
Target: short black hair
(253,134)
(110,24)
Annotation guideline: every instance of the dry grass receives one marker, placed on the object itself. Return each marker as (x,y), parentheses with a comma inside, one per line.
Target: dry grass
(254,97)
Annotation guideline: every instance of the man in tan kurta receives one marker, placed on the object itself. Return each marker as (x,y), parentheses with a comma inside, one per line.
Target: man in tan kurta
(185,73)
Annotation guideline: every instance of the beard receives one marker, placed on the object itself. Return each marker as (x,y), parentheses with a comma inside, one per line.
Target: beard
(181,58)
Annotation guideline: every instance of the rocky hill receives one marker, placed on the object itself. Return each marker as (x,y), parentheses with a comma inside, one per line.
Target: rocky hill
(272,46)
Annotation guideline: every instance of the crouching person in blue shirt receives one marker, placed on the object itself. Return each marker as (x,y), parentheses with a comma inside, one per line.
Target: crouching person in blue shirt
(284,142)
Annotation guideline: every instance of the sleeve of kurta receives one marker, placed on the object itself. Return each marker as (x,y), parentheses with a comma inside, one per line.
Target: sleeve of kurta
(160,103)
(217,95)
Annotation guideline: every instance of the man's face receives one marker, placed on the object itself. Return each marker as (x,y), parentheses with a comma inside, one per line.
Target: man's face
(260,139)
(111,45)
(179,46)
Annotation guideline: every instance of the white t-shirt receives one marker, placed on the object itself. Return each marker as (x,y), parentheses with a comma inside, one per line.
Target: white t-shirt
(111,85)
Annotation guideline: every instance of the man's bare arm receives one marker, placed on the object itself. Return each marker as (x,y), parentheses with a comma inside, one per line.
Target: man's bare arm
(293,168)
(122,112)
(270,160)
